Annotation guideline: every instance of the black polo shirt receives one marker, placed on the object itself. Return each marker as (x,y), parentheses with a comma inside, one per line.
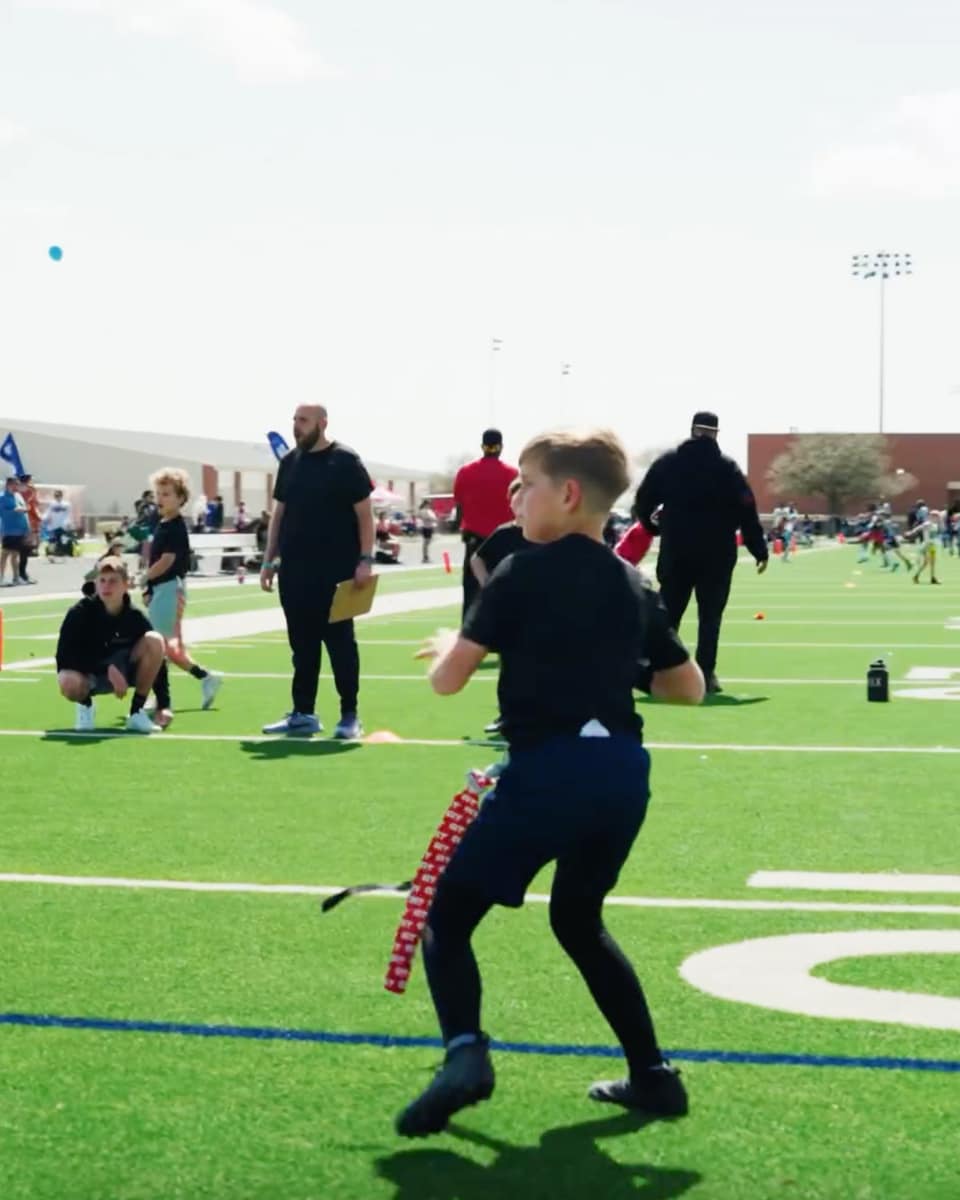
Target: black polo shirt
(90,635)
(319,533)
(575,627)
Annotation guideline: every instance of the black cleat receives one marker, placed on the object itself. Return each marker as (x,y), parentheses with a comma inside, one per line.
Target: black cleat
(713,684)
(659,1092)
(465,1078)
(495,726)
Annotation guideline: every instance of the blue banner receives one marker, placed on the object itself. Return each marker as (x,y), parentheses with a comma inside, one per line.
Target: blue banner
(9,453)
(277,445)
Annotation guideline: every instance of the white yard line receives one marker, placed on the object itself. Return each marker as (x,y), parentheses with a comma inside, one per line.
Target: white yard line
(301,889)
(840,881)
(701,747)
(201,583)
(878,644)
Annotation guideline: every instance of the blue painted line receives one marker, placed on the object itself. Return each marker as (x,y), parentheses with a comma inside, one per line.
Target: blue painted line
(388,1041)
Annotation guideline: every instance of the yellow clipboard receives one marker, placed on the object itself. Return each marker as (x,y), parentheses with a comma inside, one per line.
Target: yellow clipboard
(350,601)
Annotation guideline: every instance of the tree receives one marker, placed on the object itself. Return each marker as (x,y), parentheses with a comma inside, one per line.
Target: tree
(838,467)
(443,481)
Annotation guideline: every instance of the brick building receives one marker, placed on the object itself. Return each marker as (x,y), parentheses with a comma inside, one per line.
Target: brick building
(932,458)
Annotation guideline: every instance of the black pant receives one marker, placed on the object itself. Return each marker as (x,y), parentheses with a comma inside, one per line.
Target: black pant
(306,604)
(679,578)
(471,588)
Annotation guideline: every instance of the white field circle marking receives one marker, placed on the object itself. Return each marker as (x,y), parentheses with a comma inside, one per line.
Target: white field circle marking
(774,973)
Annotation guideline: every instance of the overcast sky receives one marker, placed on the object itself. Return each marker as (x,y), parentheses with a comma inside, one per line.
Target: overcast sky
(265,203)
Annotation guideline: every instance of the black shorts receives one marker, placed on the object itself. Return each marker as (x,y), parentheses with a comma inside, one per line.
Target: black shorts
(100,684)
(14,541)
(575,800)
(427,534)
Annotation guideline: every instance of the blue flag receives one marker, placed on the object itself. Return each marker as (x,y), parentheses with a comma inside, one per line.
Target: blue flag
(9,453)
(277,445)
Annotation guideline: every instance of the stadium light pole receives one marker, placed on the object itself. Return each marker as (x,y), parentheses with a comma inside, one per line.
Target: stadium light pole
(881,266)
(496,345)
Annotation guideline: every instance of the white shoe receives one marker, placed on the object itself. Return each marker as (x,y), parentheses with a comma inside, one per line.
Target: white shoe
(85,719)
(209,686)
(139,722)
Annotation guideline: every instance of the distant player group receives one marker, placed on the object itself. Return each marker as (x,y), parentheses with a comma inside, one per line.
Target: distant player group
(879,537)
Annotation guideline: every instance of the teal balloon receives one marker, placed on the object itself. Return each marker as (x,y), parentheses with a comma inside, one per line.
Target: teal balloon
(55,253)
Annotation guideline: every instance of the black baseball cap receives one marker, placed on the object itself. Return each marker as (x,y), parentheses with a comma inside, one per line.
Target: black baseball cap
(705,420)
(492,437)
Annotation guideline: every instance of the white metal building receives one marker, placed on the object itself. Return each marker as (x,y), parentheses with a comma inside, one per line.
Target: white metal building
(113,465)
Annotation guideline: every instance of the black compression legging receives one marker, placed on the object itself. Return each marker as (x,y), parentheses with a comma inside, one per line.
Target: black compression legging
(577,922)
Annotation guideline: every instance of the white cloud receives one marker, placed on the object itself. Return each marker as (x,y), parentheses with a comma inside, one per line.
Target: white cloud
(11,132)
(915,152)
(264,43)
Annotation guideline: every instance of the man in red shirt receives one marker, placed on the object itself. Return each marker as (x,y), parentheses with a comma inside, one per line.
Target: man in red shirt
(480,494)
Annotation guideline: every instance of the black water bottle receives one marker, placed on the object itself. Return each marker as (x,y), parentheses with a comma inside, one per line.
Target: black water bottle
(878,681)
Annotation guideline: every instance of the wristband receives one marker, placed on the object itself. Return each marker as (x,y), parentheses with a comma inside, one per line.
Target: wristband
(270,564)
(366,558)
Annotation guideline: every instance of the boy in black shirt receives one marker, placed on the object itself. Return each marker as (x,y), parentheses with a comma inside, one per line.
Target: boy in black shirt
(105,645)
(505,540)
(577,629)
(164,586)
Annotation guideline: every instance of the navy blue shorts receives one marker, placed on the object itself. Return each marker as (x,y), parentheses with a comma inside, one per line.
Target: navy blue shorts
(577,801)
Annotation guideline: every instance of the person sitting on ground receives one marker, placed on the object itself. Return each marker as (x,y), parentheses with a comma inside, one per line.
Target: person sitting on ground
(106,645)
(387,546)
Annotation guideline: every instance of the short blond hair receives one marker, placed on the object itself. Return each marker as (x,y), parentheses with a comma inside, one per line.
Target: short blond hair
(595,459)
(176,478)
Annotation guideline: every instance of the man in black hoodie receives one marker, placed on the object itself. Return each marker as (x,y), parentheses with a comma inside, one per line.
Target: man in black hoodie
(705,499)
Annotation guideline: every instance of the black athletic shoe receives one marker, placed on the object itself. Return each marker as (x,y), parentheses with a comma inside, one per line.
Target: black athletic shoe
(495,726)
(713,684)
(659,1092)
(465,1078)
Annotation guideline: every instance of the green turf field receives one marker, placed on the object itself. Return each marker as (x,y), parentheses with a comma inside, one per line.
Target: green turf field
(179,1044)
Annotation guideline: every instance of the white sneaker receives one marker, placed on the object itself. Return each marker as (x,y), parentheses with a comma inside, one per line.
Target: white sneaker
(139,722)
(85,718)
(209,686)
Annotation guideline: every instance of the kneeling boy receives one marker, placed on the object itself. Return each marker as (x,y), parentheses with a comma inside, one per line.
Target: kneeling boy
(107,645)
(577,629)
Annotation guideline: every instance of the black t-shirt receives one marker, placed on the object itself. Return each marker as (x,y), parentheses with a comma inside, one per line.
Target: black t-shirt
(505,540)
(576,627)
(171,537)
(319,532)
(89,634)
